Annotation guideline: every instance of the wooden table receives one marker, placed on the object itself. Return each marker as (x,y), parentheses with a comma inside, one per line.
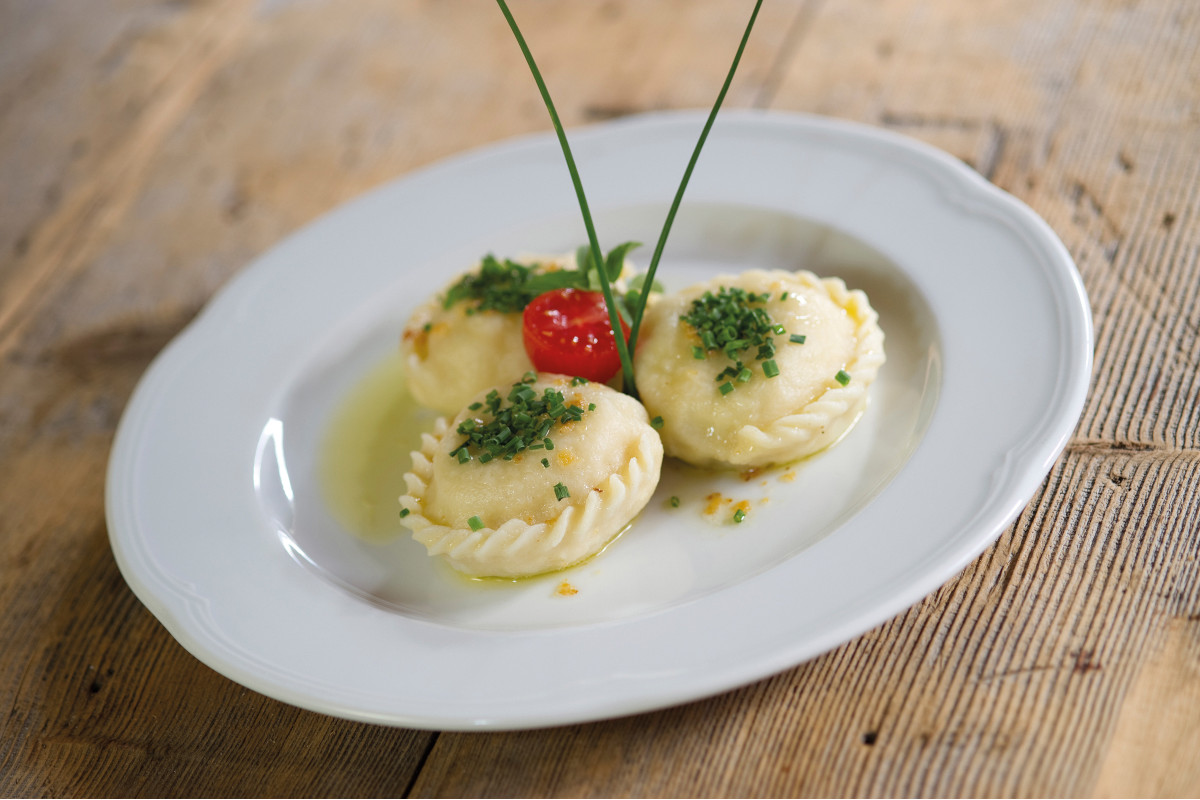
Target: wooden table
(150,149)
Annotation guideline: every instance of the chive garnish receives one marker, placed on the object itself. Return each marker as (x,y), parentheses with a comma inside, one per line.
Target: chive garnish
(476,523)
(656,423)
(674,501)
(842,377)
(796,338)
(404,512)
(731,322)
(497,286)
(739,515)
(523,424)
(687,175)
(561,492)
(625,347)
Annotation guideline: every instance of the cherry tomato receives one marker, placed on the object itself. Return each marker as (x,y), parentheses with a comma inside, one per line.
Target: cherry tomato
(568,331)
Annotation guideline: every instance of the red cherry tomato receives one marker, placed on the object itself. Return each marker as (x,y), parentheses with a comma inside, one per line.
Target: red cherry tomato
(568,331)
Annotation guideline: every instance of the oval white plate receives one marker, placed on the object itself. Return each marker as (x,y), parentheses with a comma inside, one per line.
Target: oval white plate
(216,515)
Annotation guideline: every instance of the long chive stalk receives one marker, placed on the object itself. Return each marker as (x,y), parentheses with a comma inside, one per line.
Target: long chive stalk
(687,175)
(623,347)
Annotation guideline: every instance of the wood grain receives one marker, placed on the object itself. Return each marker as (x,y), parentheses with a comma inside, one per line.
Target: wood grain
(149,150)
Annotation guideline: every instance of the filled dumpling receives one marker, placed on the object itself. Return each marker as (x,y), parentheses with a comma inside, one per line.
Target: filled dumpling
(533,477)
(468,337)
(758,369)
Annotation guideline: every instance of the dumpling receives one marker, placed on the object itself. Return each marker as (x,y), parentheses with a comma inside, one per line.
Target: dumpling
(758,369)
(453,347)
(587,462)
(469,336)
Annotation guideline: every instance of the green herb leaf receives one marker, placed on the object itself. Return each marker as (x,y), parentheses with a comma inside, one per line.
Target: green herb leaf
(475,523)
(561,492)
(637,282)
(558,279)
(623,309)
(615,261)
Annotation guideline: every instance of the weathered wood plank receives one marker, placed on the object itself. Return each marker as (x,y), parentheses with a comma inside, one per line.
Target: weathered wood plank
(1006,682)
(149,150)
(60,244)
(223,127)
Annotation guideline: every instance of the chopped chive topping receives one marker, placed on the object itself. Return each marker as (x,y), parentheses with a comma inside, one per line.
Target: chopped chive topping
(476,523)
(733,321)
(739,515)
(578,381)
(523,424)
(546,463)
(497,286)
(561,492)
(591,406)
(842,377)
(656,423)
(674,501)
(796,338)
(783,296)
(404,512)
(508,286)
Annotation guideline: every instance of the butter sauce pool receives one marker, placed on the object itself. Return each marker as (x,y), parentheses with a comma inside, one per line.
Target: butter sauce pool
(366,450)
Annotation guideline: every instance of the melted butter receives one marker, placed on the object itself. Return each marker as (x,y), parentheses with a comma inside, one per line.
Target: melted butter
(366,452)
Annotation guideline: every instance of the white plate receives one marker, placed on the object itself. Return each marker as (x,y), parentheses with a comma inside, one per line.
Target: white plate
(215,506)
